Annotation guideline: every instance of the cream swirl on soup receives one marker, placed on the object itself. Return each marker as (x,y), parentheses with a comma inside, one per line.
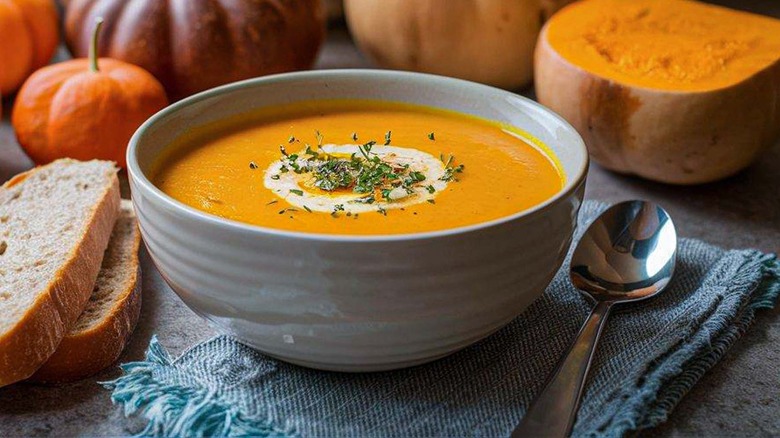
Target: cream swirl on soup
(420,177)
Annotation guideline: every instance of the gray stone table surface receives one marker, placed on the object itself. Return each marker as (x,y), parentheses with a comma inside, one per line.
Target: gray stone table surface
(740,396)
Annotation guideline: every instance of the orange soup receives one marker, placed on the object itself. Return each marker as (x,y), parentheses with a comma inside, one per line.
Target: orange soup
(358,167)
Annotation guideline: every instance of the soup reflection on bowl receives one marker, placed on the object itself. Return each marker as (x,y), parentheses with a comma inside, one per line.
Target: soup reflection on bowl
(357,220)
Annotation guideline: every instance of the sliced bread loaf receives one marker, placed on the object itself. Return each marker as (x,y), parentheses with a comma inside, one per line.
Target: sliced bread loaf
(55,222)
(101,332)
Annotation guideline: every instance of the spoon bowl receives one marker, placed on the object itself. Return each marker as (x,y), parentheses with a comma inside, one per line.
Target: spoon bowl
(627,254)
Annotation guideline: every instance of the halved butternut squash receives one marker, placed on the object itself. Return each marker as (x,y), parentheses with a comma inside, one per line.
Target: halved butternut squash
(671,90)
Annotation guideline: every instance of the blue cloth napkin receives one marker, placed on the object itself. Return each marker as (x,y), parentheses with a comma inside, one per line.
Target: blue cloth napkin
(650,356)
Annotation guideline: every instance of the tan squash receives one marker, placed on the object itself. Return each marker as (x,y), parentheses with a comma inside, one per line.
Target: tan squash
(488,41)
(671,90)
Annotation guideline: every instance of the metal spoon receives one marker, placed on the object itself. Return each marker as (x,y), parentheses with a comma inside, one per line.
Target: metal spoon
(627,254)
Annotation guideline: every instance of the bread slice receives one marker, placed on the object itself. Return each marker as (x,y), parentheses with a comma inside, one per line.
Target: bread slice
(102,331)
(55,222)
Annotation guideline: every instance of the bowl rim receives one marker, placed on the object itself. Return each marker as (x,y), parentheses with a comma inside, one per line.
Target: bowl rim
(139,178)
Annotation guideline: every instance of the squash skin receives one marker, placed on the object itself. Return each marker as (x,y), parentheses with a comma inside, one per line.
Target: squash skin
(667,136)
(193,45)
(29,34)
(66,110)
(488,41)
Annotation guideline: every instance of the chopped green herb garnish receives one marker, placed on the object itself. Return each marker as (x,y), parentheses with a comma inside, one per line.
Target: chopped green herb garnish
(272,202)
(430,201)
(354,136)
(386,194)
(336,209)
(449,161)
(431,136)
(372,175)
(365,150)
(307,209)
(291,139)
(252,165)
(363,172)
(369,199)
(319,138)
(450,171)
(275,177)
(288,209)
(417,176)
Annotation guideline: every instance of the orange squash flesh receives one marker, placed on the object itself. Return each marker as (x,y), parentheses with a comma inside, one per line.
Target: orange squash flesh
(666,44)
(208,169)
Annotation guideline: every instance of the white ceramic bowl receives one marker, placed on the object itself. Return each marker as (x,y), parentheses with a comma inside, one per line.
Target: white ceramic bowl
(357,303)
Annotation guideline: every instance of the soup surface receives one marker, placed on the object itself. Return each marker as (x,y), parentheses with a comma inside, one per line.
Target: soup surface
(358,167)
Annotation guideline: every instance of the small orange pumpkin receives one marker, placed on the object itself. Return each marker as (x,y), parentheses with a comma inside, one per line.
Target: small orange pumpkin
(29,35)
(84,108)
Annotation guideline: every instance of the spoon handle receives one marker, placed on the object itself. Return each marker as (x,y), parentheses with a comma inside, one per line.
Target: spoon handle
(553,412)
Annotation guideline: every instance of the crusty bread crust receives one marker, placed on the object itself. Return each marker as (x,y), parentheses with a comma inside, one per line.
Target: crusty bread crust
(25,347)
(90,352)
(83,354)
